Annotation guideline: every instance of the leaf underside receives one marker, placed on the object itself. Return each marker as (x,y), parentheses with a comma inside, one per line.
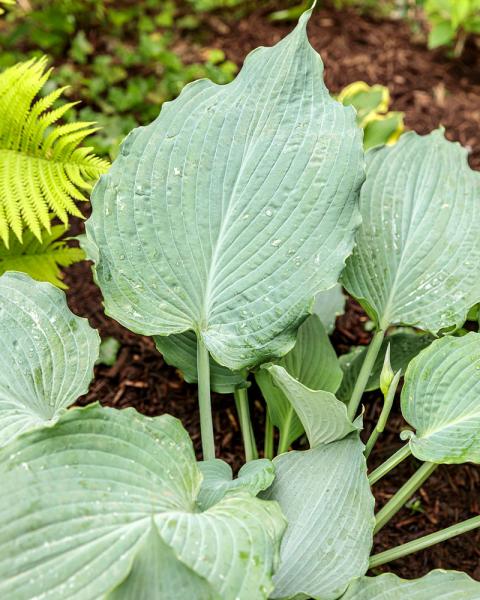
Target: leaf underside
(417,257)
(88,506)
(440,399)
(228,213)
(46,354)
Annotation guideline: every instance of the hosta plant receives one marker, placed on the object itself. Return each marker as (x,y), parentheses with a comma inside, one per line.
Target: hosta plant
(222,230)
(44,171)
(380,126)
(451,22)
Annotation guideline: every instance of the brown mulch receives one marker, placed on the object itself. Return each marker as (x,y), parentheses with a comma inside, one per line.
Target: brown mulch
(431,90)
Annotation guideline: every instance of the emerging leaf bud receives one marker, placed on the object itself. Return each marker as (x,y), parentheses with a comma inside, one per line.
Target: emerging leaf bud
(387,373)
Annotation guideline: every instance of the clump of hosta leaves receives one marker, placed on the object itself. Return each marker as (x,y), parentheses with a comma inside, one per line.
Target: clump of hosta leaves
(380,125)
(222,230)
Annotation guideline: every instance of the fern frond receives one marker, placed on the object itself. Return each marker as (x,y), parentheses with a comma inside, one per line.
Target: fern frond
(43,167)
(6,3)
(41,260)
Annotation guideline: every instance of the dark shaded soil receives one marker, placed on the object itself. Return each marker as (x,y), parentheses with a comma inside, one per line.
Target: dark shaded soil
(431,91)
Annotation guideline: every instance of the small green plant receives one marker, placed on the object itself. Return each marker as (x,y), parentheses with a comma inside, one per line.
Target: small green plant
(120,61)
(380,126)
(44,171)
(221,230)
(451,22)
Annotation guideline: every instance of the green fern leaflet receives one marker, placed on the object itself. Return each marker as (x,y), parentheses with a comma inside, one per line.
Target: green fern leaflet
(41,260)
(5,3)
(43,167)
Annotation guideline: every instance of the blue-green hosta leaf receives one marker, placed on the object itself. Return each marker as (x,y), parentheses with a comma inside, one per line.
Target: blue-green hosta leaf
(417,258)
(313,363)
(146,580)
(325,496)
(404,346)
(83,504)
(437,585)
(440,398)
(180,351)
(254,477)
(46,354)
(235,207)
(322,415)
(329,305)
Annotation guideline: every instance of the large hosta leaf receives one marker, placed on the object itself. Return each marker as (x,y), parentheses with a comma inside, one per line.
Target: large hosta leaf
(440,399)
(46,354)
(325,496)
(437,585)
(312,363)
(228,213)
(180,351)
(417,258)
(97,498)
(404,346)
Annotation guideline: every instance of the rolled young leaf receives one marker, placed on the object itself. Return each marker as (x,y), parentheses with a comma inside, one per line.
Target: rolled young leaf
(417,257)
(46,354)
(404,345)
(85,503)
(313,363)
(437,585)
(236,206)
(326,499)
(440,398)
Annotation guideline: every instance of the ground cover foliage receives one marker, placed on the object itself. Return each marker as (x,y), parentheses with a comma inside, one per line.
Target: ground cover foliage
(227,224)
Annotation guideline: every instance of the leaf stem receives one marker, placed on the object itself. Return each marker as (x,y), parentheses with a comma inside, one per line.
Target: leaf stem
(204,400)
(383,418)
(243,409)
(389,464)
(365,372)
(424,542)
(268,444)
(284,431)
(404,493)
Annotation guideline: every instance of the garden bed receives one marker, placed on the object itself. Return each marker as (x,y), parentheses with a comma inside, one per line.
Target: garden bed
(432,91)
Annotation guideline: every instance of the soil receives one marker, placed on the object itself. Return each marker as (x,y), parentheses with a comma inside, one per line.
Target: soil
(431,90)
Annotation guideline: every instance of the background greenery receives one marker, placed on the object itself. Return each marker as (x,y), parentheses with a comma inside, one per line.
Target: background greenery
(114,64)
(124,58)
